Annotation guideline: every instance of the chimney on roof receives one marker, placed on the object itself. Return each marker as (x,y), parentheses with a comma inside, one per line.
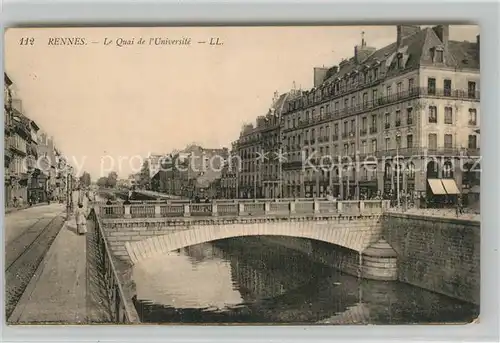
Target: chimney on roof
(404,31)
(319,75)
(443,32)
(361,52)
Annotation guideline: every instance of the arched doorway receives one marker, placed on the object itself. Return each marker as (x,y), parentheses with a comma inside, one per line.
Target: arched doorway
(432,170)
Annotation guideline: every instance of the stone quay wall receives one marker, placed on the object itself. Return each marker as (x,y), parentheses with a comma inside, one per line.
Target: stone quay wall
(438,254)
(338,257)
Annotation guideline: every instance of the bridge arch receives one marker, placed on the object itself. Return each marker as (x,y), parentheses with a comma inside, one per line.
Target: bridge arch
(355,235)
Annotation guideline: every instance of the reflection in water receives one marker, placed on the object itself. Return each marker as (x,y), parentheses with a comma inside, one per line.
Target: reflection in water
(247,280)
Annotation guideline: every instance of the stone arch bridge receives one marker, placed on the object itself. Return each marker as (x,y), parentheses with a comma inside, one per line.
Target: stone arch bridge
(157,228)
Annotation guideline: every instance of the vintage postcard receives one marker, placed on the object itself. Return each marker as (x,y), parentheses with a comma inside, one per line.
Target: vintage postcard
(242,175)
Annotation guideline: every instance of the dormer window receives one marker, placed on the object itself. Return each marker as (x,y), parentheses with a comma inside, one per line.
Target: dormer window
(437,55)
(399,59)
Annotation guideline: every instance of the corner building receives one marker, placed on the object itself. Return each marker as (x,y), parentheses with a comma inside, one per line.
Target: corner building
(417,98)
(259,147)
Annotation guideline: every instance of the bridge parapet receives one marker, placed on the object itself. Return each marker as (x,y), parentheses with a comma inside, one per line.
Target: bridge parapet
(291,208)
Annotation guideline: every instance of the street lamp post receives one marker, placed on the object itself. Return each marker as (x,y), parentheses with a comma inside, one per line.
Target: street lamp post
(69,195)
(341,181)
(398,138)
(255,180)
(237,195)
(350,140)
(280,167)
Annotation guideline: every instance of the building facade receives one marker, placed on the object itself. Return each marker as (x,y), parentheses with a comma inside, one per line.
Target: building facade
(228,179)
(270,128)
(259,148)
(417,98)
(191,172)
(8,133)
(249,147)
(32,162)
(18,142)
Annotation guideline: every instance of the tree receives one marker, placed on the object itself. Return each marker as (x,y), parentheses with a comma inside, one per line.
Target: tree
(85,179)
(111,179)
(102,182)
(144,176)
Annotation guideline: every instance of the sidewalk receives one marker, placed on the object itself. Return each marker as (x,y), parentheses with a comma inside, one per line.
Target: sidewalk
(57,291)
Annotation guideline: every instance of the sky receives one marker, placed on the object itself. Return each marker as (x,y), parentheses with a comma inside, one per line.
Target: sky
(108,107)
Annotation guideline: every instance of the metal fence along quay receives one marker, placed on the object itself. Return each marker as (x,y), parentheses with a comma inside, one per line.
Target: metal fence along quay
(121,309)
(157,209)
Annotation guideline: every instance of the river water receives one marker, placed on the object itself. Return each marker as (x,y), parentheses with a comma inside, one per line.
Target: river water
(250,280)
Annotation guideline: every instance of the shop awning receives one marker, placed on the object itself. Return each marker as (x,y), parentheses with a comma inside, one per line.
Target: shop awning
(436,186)
(450,186)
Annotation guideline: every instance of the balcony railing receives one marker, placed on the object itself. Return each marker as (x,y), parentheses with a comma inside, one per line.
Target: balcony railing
(363,132)
(389,99)
(421,151)
(335,137)
(292,165)
(387,125)
(373,130)
(253,207)
(398,123)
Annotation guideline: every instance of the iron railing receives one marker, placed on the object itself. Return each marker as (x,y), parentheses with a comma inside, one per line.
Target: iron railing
(413,93)
(121,309)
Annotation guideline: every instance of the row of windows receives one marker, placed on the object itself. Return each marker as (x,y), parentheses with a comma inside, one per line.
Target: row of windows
(365,173)
(448,115)
(349,127)
(447,87)
(18,166)
(366,147)
(389,144)
(348,102)
(249,179)
(18,142)
(353,100)
(338,87)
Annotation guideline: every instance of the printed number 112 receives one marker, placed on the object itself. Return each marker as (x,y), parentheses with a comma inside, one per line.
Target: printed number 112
(27,41)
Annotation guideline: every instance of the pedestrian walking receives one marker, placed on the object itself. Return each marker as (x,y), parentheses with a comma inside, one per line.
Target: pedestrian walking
(460,207)
(81,220)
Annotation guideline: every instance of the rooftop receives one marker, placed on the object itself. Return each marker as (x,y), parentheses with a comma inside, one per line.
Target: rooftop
(414,48)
